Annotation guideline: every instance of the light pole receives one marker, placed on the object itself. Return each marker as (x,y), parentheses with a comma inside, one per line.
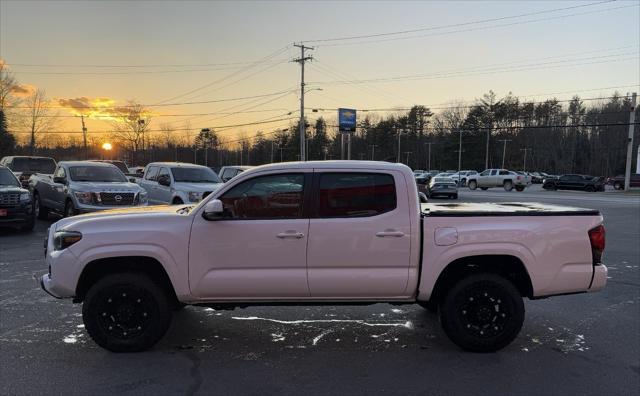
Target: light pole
(429,156)
(504,149)
(400,130)
(408,153)
(524,163)
(373,151)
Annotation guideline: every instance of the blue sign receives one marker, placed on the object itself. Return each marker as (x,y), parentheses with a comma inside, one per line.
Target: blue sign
(347,120)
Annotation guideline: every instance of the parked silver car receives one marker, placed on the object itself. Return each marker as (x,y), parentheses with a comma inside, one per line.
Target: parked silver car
(178,183)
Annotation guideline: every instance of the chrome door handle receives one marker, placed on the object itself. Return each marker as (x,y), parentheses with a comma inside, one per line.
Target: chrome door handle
(390,233)
(290,234)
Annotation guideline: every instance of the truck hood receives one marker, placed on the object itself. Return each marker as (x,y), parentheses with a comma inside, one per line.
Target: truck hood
(197,187)
(101,186)
(123,216)
(12,189)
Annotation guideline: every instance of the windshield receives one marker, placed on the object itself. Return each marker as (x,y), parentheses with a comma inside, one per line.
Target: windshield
(38,165)
(194,175)
(97,174)
(7,178)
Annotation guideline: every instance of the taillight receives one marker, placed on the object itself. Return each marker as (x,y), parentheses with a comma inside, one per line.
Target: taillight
(519,177)
(597,240)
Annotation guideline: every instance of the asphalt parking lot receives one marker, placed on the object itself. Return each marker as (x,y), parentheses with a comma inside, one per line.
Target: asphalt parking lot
(585,344)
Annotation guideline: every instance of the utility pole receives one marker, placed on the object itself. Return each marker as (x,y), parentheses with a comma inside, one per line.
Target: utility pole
(272,143)
(341,145)
(524,164)
(459,156)
(408,153)
(281,149)
(429,156)
(399,132)
(84,136)
(373,151)
(504,149)
(486,156)
(349,146)
(632,120)
(302,60)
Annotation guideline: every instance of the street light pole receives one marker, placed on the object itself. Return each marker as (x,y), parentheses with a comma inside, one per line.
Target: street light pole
(373,151)
(504,149)
(399,132)
(429,156)
(524,164)
(632,120)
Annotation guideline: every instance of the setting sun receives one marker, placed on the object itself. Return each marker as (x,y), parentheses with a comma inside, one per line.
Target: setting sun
(107,146)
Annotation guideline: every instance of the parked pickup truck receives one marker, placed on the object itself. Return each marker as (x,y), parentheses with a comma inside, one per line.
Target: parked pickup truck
(23,167)
(575,182)
(498,178)
(82,187)
(330,232)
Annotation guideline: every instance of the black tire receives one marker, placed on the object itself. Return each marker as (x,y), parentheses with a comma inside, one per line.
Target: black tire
(618,186)
(589,189)
(126,312)
(178,306)
(69,210)
(431,306)
(40,211)
(482,313)
(519,188)
(177,201)
(454,196)
(484,188)
(508,185)
(473,184)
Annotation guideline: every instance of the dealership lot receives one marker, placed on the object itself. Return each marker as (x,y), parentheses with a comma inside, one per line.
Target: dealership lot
(584,344)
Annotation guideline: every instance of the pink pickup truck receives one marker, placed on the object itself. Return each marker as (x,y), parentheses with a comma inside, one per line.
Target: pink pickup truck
(332,232)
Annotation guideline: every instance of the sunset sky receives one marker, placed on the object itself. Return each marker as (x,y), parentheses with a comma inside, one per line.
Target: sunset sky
(105,53)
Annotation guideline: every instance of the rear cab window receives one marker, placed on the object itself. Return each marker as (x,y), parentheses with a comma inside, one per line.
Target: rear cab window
(152,173)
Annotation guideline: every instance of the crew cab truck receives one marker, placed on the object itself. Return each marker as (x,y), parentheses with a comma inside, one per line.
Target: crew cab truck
(498,178)
(82,187)
(330,232)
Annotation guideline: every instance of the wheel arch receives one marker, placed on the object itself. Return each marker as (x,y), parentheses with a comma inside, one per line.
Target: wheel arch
(98,268)
(510,267)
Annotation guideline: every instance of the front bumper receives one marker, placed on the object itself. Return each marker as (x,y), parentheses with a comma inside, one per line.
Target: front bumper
(17,215)
(599,280)
(83,208)
(46,285)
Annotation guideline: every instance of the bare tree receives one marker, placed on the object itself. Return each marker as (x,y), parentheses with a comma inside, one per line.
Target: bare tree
(7,85)
(130,127)
(37,117)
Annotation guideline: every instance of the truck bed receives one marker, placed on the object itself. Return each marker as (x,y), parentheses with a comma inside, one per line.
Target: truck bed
(472,209)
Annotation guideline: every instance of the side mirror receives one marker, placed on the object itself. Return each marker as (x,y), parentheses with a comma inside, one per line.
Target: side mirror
(213,210)
(164,181)
(60,180)
(132,179)
(423,197)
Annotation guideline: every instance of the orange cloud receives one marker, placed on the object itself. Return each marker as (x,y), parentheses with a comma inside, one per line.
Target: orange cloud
(23,89)
(99,107)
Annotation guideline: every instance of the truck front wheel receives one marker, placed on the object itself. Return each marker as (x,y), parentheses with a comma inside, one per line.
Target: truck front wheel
(473,185)
(508,185)
(482,313)
(40,211)
(126,312)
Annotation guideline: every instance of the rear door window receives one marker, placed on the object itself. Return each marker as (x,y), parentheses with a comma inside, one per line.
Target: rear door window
(355,194)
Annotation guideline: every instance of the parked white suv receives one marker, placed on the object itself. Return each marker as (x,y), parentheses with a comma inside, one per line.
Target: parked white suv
(177,183)
(498,178)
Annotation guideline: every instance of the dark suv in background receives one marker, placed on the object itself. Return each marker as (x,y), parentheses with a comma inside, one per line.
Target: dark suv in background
(16,208)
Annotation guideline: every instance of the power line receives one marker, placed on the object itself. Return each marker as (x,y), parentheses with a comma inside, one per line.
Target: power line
(483,70)
(173,129)
(132,66)
(455,25)
(159,105)
(156,115)
(476,28)
(248,67)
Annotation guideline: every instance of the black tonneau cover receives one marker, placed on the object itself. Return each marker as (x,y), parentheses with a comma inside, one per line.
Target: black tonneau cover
(471,209)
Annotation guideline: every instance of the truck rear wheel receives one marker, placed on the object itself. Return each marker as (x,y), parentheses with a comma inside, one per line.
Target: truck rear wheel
(519,188)
(618,186)
(482,313)
(126,312)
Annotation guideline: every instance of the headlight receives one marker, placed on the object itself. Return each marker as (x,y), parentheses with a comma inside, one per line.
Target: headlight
(195,196)
(25,197)
(142,197)
(64,239)
(83,197)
